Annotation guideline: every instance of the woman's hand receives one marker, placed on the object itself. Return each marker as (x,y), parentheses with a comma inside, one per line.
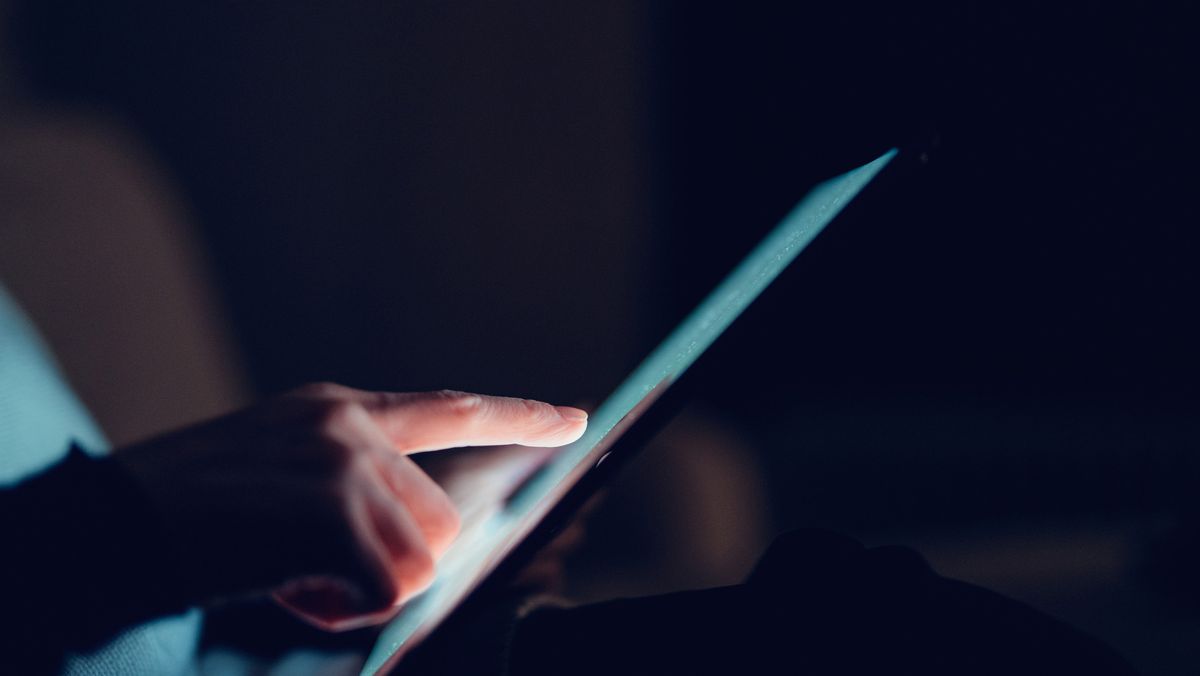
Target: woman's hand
(311,495)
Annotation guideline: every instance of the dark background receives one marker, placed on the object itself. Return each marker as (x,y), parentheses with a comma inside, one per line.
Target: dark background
(991,355)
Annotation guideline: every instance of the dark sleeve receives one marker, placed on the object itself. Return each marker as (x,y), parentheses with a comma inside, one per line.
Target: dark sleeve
(82,558)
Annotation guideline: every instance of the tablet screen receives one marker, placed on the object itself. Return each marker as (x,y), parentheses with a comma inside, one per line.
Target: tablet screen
(492,528)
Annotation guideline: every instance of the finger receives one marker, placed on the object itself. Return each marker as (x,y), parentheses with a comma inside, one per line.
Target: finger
(424,501)
(360,587)
(432,510)
(410,557)
(446,419)
(371,566)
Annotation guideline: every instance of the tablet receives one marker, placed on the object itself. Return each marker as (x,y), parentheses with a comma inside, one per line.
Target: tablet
(495,531)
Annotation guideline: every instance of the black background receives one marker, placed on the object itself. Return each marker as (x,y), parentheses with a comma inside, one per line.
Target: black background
(1049,245)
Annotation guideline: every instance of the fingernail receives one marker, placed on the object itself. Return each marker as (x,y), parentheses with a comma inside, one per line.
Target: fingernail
(571,413)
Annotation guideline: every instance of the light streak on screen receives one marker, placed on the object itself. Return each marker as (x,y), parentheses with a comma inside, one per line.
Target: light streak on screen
(488,536)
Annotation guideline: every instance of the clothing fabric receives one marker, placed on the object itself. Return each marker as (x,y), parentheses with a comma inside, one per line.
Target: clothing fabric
(74,534)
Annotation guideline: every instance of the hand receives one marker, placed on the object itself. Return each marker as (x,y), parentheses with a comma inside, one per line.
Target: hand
(311,495)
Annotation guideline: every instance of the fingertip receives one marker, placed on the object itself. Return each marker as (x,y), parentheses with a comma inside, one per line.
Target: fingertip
(416,579)
(569,431)
(537,423)
(575,431)
(572,414)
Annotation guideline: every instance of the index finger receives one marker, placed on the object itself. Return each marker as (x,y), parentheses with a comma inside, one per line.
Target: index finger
(425,421)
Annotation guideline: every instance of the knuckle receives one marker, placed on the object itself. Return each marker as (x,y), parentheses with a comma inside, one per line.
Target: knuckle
(335,417)
(351,471)
(462,405)
(538,411)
